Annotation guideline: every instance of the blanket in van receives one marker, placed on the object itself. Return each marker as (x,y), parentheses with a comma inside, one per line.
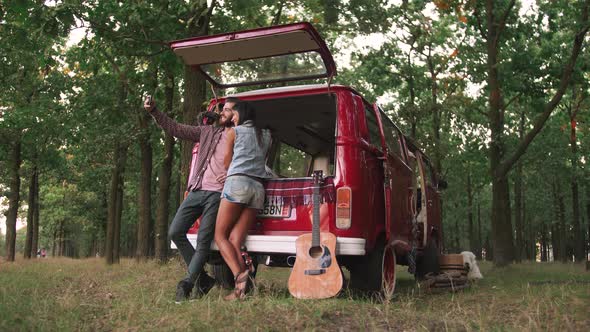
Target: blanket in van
(298,191)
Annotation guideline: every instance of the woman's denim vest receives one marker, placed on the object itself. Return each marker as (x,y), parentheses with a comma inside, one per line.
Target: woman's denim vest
(249,157)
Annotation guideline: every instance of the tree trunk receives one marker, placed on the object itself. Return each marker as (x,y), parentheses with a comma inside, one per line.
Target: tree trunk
(500,166)
(115,204)
(520,244)
(31,214)
(501,223)
(588,213)
(544,246)
(194,97)
(165,175)
(489,249)
(13,199)
(472,235)
(119,204)
(577,229)
(558,236)
(54,242)
(145,190)
(435,110)
(35,242)
(479,250)
(562,226)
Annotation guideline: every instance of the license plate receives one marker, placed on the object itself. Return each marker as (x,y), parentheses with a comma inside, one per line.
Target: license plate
(275,210)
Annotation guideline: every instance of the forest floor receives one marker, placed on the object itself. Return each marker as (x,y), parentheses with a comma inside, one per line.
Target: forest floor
(59,294)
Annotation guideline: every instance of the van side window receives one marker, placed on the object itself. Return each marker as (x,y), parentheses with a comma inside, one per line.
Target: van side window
(391,136)
(431,176)
(373,127)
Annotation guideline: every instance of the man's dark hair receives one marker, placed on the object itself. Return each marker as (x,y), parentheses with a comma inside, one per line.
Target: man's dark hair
(234,100)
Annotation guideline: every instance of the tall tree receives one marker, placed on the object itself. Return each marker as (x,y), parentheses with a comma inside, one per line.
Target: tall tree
(492,19)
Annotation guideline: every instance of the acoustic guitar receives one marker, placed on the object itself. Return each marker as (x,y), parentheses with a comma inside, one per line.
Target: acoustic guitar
(316,274)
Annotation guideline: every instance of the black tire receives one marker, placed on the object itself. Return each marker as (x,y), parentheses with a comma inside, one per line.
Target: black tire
(366,274)
(223,275)
(428,262)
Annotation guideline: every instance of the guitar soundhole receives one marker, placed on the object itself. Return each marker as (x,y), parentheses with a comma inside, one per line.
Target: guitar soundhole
(315,252)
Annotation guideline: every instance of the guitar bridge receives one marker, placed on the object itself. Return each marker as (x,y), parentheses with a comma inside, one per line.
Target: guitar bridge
(314,272)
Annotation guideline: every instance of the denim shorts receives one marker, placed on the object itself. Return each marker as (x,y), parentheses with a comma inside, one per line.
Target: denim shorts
(244,190)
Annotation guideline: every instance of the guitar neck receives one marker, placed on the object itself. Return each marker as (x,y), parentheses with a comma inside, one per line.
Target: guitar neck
(315,235)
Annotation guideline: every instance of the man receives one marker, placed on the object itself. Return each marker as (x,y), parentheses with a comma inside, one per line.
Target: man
(204,191)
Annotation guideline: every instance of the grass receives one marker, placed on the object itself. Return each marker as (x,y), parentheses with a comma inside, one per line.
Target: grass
(64,294)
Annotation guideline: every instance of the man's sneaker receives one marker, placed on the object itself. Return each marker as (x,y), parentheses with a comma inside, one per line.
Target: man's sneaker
(202,286)
(183,291)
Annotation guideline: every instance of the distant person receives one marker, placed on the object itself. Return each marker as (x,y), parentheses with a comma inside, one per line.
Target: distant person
(206,180)
(43,253)
(243,191)
(38,253)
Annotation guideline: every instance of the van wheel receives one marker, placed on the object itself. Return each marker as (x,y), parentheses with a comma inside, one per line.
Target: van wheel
(223,275)
(428,262)
(375,274)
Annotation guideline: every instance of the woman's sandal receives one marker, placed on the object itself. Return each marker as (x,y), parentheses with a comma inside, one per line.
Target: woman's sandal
(241,286)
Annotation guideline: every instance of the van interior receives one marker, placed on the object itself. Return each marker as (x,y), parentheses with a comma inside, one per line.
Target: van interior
(304,132)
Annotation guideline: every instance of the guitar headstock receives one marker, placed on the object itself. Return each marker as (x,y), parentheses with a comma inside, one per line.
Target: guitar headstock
(318,176)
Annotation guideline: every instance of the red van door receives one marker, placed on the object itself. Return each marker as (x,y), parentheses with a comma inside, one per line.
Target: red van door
(433,213)
(397,180)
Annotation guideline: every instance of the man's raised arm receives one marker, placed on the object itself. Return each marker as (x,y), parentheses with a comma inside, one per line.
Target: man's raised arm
(170,126)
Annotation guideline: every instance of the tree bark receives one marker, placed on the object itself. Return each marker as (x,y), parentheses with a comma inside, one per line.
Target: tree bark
(165,174)
(579,252)
(588,213)
(436,118)
(518,214)
(520,244)
(503,245)
(558,229)
(115,204)
(145,189)
(35,242)
(479,250)
(472,235)
(31,214)
(15,162)
(544,246)
(119,203)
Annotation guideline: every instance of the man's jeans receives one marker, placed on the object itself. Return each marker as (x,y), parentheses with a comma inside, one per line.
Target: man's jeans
(197,203)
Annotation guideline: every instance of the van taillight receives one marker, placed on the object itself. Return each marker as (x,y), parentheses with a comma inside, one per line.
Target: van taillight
(343,203)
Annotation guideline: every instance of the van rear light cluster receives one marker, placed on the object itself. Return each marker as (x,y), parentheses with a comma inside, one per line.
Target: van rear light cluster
(343,204)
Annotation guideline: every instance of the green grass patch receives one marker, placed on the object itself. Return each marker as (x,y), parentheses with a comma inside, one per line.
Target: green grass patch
(66,295)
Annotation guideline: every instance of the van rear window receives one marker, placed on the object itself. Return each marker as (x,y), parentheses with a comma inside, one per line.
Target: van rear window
(290,162)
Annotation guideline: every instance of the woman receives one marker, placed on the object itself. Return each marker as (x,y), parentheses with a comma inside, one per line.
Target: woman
(243,191)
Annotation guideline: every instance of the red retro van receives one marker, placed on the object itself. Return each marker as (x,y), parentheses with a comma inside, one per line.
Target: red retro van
(380,194)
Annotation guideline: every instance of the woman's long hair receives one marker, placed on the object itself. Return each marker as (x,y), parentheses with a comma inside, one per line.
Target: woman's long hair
(247,112)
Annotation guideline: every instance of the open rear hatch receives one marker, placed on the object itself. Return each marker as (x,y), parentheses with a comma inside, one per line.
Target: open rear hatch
(259,56)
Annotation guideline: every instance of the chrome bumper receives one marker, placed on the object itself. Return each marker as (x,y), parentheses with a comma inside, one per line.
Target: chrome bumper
(271,244)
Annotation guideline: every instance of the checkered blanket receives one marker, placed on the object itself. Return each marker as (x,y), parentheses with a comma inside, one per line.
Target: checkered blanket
(299,191)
